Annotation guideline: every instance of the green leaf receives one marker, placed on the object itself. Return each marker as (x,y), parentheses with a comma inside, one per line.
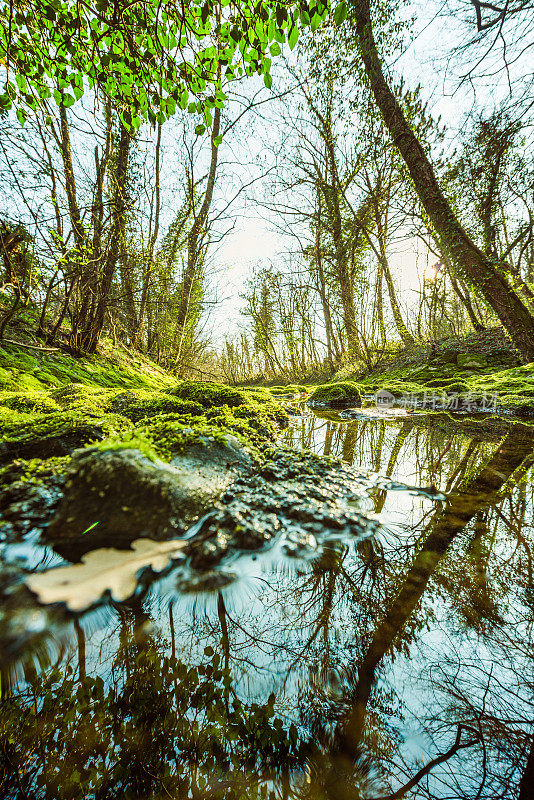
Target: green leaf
(217,140)
(275,49)
(315,22)
(268,81)
(200,130)
(340,13)
(21,115)
(293,37)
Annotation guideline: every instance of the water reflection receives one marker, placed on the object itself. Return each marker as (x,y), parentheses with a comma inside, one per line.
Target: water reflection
(398,665)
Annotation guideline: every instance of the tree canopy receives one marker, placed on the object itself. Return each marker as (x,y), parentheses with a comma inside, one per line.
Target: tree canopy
(150,57)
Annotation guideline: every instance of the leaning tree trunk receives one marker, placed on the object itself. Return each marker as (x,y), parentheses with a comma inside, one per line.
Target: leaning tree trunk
(469,261)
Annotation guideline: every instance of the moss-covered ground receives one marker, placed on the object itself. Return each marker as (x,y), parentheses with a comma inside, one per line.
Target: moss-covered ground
(24,368)
(52,403)
(482,371)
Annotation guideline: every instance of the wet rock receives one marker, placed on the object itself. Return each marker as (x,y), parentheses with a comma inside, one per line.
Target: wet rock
(121,494)
(60,442)
(24,506)
(295,496)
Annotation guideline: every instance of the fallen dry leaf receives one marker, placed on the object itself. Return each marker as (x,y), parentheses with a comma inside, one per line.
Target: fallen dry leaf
(82,585)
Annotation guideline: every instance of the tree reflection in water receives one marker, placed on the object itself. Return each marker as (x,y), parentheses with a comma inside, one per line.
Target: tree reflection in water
(399,666)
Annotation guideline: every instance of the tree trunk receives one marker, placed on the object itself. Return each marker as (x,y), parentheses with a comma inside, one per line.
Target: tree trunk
(150,257)
(127,288)
(379,304)
(80,236)
(466,257)
(346,287)
(93,331)
(192,241)
(405,335)
(464,298)
(322,285)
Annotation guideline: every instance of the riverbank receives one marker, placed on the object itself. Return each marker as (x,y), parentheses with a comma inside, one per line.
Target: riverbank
(480,372)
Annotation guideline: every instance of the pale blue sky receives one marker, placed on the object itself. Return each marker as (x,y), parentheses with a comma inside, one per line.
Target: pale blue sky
(254,240)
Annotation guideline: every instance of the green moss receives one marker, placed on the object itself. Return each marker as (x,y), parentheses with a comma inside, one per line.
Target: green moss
(82,398)
(170,434)
(113,366)
(245,404)
(35,469)
(210,394)
(40,402)
(449,385)
(132,441)
(17,427)
(336,393)
(290,389)
(139,404)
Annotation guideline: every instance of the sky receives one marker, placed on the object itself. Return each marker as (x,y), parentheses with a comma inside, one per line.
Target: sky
(429,60)
(254,241)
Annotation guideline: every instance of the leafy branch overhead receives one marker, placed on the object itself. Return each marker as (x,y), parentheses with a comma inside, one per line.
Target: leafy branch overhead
(150,57)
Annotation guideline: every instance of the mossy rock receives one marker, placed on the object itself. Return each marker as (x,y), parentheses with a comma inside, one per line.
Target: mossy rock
(115,495)
(210,394)
(475,361)
(61,440)
(336,395)
(39,402)
(139,405)
(242,403)
(257,391)
(172,434)
(449,385)
(25,435)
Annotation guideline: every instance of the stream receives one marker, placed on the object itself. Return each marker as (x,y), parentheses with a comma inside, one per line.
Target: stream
(394,664)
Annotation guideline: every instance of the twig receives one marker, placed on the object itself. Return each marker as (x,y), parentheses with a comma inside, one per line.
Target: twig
(435,761)
(32,346)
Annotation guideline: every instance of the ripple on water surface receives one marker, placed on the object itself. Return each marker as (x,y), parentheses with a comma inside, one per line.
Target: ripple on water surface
(362,629)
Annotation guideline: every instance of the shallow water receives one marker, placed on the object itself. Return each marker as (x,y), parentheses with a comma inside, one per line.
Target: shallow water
(398,664)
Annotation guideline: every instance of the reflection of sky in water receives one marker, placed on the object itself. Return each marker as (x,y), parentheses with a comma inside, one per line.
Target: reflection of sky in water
(447,666)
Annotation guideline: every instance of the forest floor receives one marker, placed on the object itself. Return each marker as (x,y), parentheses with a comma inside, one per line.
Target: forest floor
(478,372)
(108,449)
